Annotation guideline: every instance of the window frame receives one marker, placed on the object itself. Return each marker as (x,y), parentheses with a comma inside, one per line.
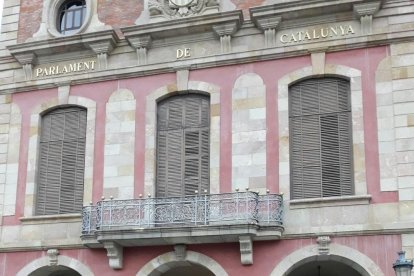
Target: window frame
(184,129)
(65,11)
(53,15)
(80,192)
(345,189)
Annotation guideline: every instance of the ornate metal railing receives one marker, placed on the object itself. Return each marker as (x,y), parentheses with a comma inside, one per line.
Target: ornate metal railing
(198,210)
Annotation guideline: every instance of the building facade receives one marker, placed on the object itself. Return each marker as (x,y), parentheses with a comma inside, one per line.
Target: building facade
(203,137)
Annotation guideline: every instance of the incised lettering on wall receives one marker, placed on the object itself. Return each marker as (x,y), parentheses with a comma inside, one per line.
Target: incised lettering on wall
(61,69)
(317,33)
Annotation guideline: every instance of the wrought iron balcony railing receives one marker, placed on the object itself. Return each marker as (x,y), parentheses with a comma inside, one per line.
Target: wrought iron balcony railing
(189,211)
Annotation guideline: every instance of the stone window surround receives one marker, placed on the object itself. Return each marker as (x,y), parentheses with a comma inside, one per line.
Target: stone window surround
(150,130)
(35,121)
(360,185)
(50,11)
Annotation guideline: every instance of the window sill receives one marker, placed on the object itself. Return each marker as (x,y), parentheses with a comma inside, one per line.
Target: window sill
(329,201)
(51,219)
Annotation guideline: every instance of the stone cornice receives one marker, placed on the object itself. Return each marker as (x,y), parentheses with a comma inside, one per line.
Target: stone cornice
(212,61)
(88,41)
(304,9)
(185,26)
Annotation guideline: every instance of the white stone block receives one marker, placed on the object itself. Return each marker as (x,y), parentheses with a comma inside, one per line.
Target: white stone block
(257,113)
(128,105)
(406,194)
(406,182)
(400,121)
(259,158)
(386,147)
(385,111)
(402,60)
(404,144)
(241,160)
(404,132)
(403,96)
(252,136)
(128,127)
(389,184)
(110,171)
(112,149)
(403,84)
(386,136)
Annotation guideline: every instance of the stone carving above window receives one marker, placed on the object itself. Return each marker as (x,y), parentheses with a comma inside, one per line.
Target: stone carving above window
(173,9)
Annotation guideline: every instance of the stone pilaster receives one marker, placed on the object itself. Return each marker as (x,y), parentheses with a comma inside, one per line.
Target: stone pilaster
(119,145)
(249,133)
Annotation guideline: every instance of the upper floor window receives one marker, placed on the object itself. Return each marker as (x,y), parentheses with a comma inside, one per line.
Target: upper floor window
(71,16)
(61,167)
(183,145)
(320,138)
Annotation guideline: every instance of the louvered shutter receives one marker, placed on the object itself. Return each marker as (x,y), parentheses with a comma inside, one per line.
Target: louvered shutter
(183,145)
(61,162)
(321,140)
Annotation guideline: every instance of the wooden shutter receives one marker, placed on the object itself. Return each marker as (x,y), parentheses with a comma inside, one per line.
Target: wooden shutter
(183,145)
(61,162)
(321,140)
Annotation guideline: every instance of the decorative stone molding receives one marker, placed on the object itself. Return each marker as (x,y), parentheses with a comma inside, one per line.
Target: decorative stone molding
(365,12)
(225,23)
(180,251)
(141,45)
(323,244)
(28,53)
(225,32)
(26,60)
(162,263)
(344,254)
(102,49)
(48,28)
(269,26)
(115,254)
(62,260)
(172,9)
(53,256)
(246,250)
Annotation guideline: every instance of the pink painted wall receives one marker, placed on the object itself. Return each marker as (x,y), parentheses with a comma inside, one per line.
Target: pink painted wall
(267,254)
(271,71)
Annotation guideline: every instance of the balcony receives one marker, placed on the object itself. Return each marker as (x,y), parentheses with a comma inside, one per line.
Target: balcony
(231,217)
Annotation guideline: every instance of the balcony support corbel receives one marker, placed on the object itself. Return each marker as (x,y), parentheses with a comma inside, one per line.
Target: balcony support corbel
(115,254)
(246,250)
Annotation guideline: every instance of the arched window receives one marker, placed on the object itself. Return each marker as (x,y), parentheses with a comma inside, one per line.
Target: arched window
(61,161)
(183,145)
(320,138)
(71,16)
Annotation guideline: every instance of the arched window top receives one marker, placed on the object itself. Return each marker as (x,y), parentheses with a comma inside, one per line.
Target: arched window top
(70,16)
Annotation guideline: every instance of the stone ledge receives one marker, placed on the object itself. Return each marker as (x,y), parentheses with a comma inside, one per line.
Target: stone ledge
(182,235)
(29,52)
(329,201)
(51,219)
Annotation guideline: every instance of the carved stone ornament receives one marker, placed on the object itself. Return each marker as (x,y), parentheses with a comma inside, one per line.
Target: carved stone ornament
(171,9)
(53,256)
(323,244)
